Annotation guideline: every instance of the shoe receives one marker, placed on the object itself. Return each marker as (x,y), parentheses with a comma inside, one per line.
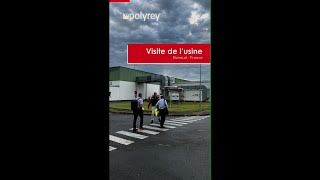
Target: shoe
(134,130)
(162,127)
(141,128)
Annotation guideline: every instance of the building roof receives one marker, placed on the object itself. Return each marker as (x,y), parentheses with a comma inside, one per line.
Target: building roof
(117,73)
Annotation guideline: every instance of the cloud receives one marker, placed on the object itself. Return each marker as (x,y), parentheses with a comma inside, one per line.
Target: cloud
(181,21)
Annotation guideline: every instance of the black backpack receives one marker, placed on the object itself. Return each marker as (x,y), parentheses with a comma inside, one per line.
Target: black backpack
(134,105)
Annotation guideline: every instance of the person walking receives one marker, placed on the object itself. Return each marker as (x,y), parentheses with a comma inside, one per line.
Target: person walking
(162,105)
(138,112)
(153,101)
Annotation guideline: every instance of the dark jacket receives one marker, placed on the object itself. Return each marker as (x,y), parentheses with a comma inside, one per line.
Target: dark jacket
(153,101)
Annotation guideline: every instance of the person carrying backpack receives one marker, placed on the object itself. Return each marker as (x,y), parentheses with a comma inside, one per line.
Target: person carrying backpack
(162,105)
(136,106)
(153,101)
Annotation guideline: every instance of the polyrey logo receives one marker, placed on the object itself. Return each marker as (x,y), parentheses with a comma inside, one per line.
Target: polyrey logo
(142,16)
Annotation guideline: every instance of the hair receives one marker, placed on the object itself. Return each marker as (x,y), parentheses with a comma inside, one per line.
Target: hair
(154,93)
(161,96)
(140,95)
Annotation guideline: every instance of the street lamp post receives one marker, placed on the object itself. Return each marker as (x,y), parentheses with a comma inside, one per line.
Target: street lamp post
(134,67)
(170,98)
(200,87)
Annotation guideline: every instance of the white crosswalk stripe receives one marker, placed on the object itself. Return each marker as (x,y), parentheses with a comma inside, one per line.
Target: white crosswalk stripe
(198,119)
(177,122)
(174,124)
(111,148)
(134,135)
(120,140)
(177,117)
(155,128)
(158,125)
(180,118)
(204,117)
(183,121)
(193,118)
(187,121)
(146,131)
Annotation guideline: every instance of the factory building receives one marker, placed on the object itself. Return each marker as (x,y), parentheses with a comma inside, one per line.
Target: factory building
(124,82)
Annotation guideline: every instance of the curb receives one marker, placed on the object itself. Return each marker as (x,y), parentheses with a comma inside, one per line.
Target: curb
(201,113)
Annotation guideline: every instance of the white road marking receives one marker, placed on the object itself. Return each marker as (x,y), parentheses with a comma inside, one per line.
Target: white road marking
(192,117)
(184,121)
(120,140)
(183,117)
(189,119)
(186,118)
(180,118)
(172,124)
(163,144)
(155,128)
(170,127)
(203,118)
(111,148)
(134,135)
(198,117)
(177,122)
(146,131)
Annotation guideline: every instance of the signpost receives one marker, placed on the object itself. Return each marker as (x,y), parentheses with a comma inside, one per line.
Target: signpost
(200,87)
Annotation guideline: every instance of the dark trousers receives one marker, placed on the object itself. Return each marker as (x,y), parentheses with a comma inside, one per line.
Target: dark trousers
(136,114)
(163,117)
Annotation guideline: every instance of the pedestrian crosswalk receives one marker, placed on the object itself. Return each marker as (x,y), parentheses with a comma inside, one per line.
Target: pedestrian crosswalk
(134,135)
(155,128)
(120,140)
(184,121)
(151,129)
(176,122)
(170,127)
(111,148)
(146,131)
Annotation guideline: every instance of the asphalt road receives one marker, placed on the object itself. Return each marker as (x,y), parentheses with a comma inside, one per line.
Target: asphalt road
(180,153)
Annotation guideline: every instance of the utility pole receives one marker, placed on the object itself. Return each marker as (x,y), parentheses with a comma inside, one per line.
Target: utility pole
(134,67)
(146,96)
(200,94)
(170,98)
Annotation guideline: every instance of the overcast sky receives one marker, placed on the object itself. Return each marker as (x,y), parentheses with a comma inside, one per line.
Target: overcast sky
(181,21)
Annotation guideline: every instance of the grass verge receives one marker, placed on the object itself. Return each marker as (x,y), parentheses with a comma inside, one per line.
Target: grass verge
(173,107)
